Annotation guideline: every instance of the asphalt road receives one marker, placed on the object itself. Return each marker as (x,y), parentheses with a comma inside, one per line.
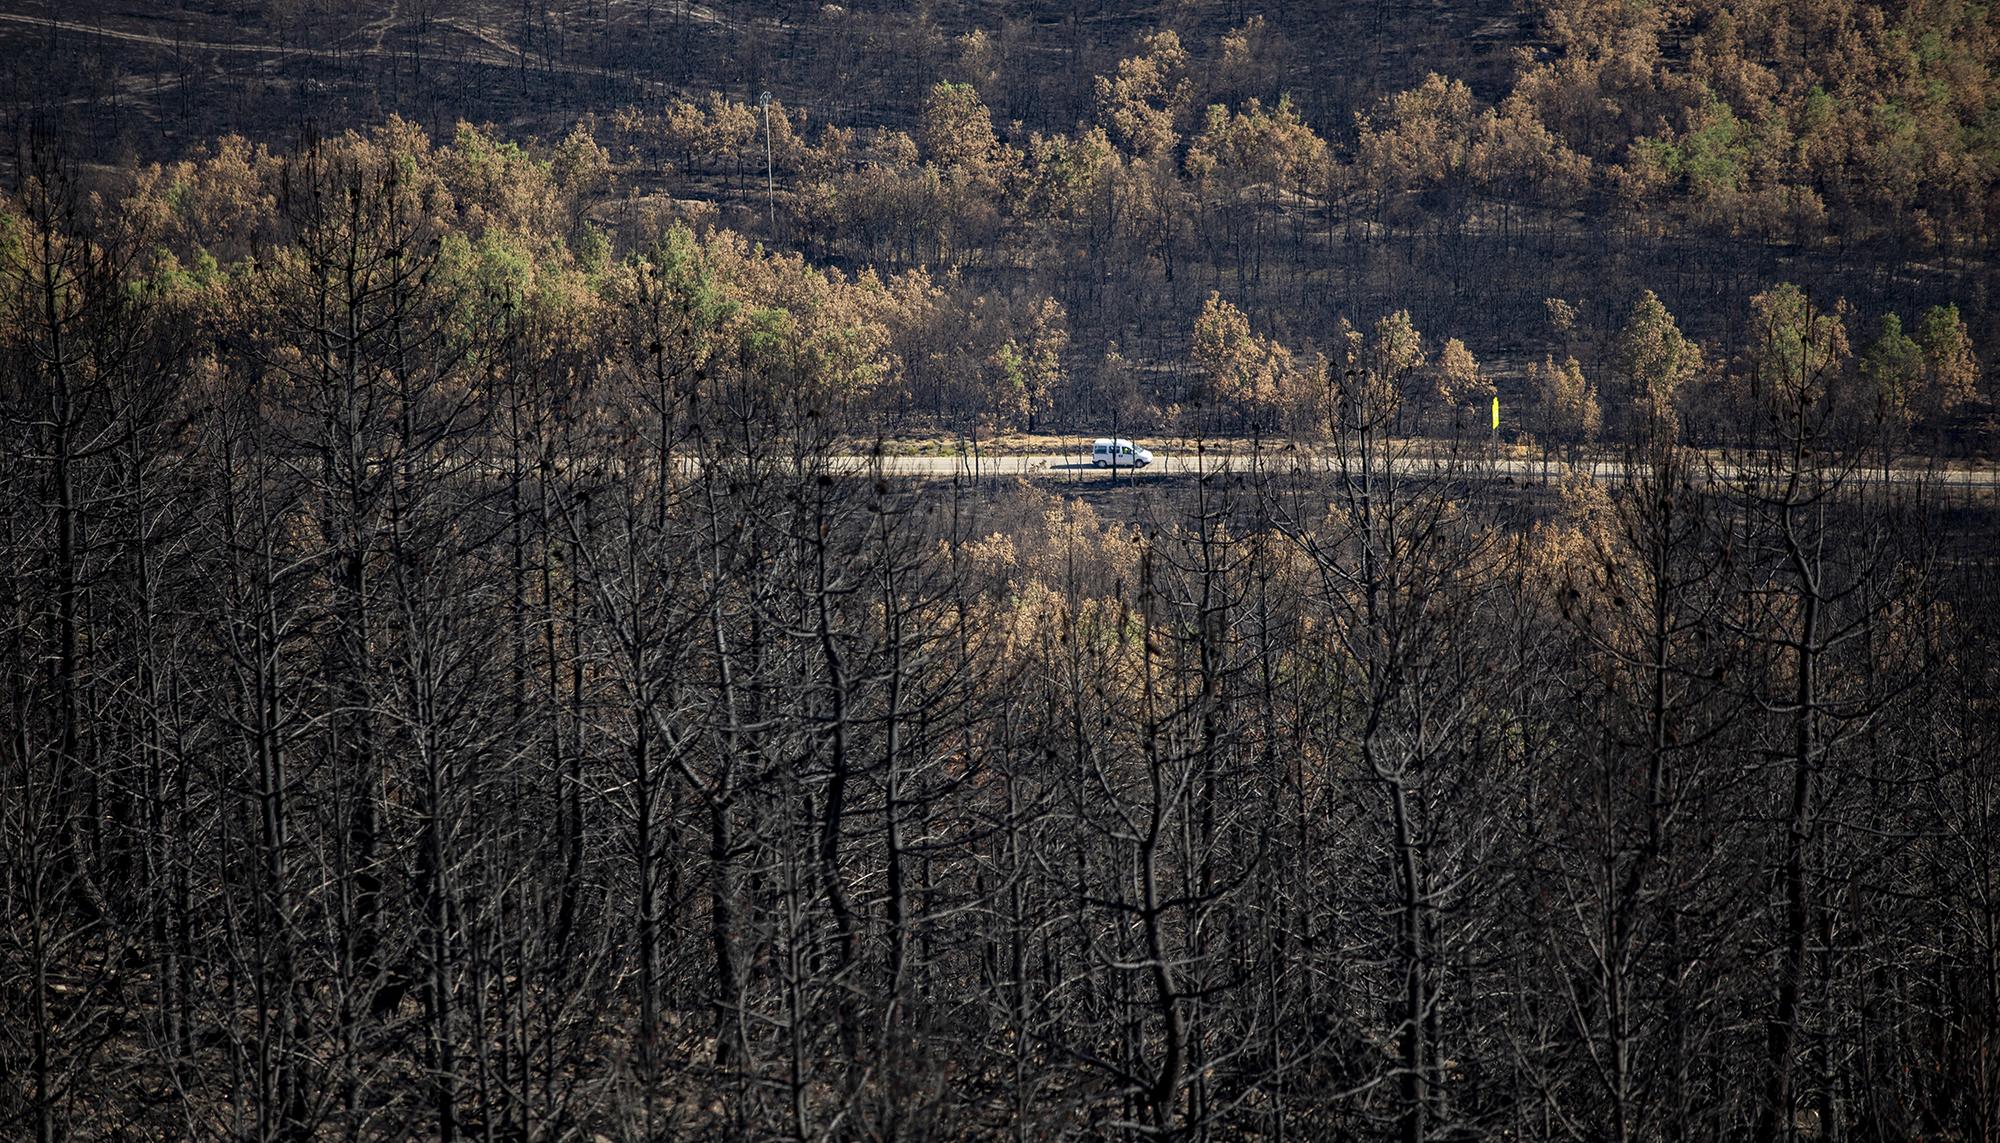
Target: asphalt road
(1072,468)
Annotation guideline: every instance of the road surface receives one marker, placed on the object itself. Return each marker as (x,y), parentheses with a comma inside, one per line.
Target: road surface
(1077,468)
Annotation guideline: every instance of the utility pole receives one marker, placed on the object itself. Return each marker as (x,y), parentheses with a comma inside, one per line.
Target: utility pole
(770,185)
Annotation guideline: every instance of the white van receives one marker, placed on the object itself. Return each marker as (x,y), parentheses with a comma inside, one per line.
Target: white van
(1119,453)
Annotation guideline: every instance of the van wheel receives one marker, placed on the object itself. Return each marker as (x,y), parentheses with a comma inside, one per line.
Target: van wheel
(1097,464)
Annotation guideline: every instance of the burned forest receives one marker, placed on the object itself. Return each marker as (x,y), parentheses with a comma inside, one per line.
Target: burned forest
(553,585)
